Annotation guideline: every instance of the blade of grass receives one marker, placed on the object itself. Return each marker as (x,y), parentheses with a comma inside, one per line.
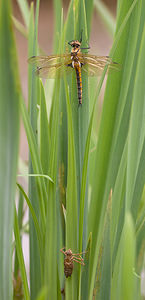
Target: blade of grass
(35,160)
(33,85)
(20,27)
(117,194)
(57,13)
(24,8)
(83,121)
(139,183)
(20,223)
(104,266)
(36,224)
(140,239)
(50,270)
(137,133)
(62,151)
(121,25)
(21,258)
(124,281)
(84,175)
(102,181)
(80,114)
(42,294)
(71,202)
(89,13)
(85,270)
(44,133)
(9,137)
(106,15)
(63,139)
(36,175)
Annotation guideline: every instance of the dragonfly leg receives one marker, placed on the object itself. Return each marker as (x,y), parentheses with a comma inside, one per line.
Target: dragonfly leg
(61,250)
(78,258)
(79,262)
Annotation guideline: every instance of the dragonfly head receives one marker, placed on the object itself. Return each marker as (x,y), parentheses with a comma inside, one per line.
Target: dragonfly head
(75,44)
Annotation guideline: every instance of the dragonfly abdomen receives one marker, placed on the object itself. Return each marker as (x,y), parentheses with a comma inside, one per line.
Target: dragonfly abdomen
(79,83)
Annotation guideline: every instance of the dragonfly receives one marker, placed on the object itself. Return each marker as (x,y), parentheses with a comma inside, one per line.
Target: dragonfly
(55,65)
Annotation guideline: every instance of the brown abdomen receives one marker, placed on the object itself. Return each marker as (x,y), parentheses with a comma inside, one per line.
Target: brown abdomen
(79,84)
(68,267)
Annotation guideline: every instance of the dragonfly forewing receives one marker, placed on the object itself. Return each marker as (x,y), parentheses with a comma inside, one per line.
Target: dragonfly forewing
(51,66)
(94,65)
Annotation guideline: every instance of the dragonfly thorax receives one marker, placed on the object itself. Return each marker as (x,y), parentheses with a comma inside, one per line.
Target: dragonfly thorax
(75,61)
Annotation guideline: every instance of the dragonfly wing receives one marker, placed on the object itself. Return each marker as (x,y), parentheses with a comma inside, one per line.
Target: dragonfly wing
(46,61)
(51,66)
(92,71)
(53,71)
(94,65)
